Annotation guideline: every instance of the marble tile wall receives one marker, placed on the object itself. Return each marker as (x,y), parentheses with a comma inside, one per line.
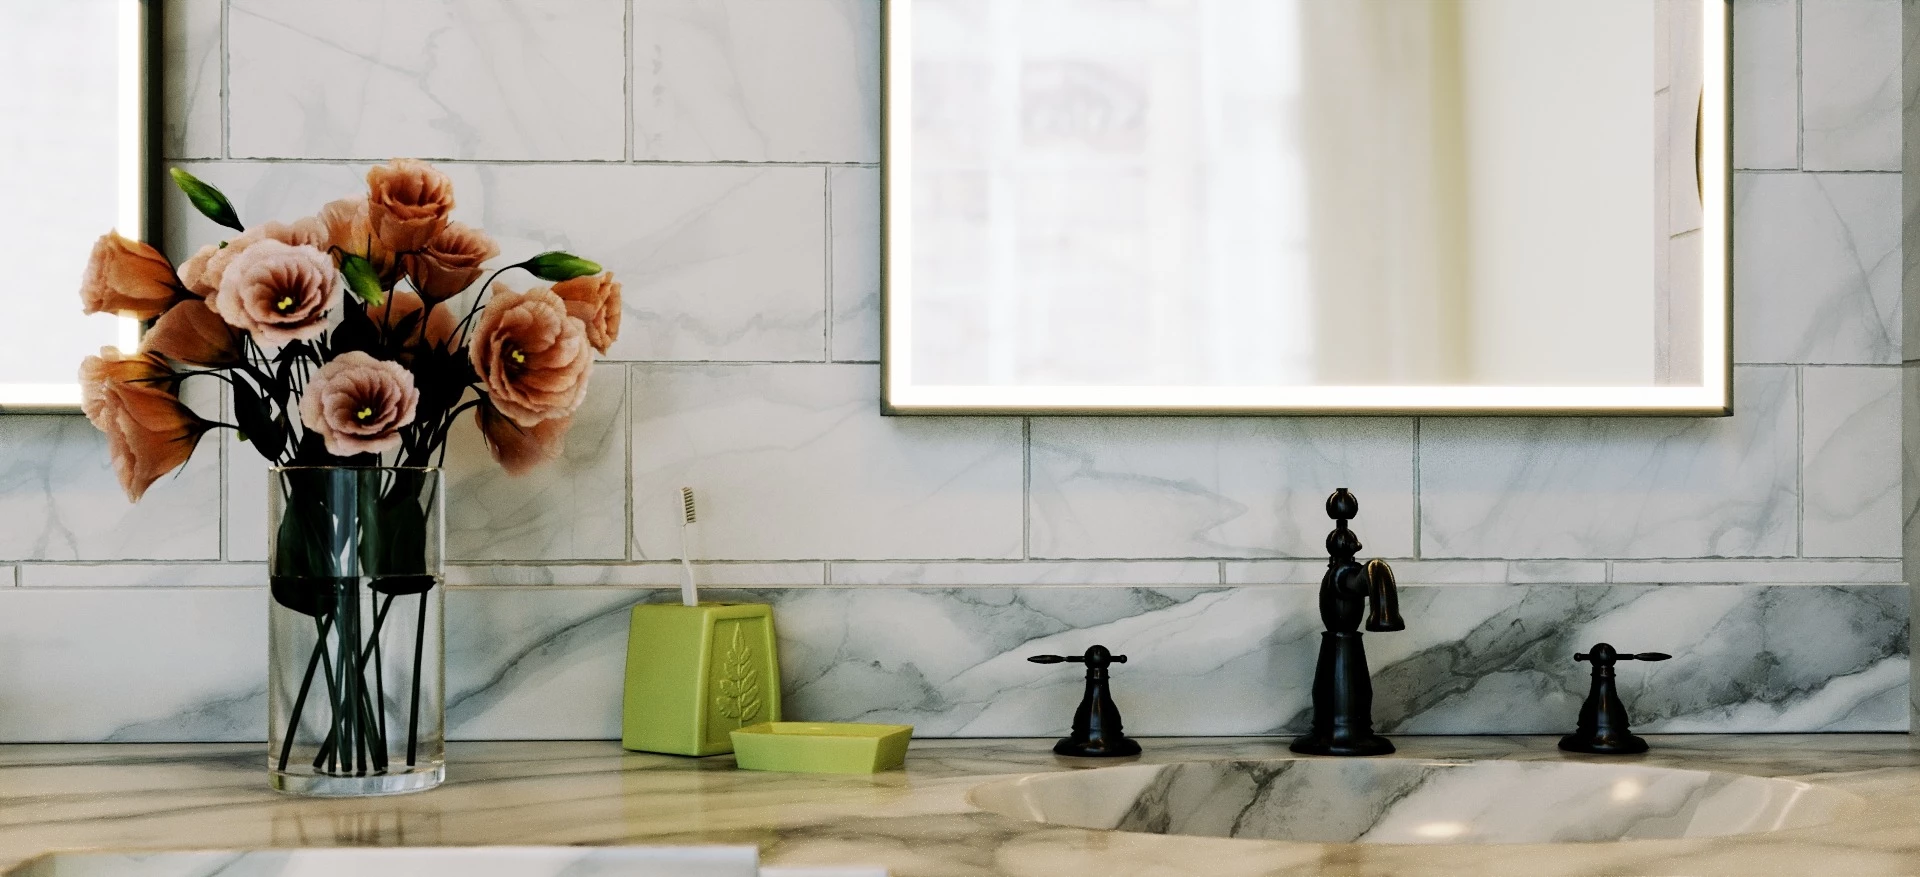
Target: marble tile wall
(722,157)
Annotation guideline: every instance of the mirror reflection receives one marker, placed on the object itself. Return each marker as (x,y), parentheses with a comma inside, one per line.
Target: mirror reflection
(1266,195)
(71,154)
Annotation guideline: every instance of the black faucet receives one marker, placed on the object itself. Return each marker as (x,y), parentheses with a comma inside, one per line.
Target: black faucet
(1342,691)
(1096,724)
(1602,728)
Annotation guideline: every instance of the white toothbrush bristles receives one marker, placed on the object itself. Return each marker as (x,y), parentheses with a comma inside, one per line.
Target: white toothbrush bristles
(688,595)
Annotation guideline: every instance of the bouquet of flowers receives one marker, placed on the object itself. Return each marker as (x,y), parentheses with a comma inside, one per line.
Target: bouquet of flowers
(337,338)
(348,360)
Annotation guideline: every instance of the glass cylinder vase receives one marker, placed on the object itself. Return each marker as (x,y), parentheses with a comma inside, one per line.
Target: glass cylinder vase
(356,654)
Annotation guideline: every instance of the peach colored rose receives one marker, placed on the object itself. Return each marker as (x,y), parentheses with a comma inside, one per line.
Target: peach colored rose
(358,404)
(279,293)
(450,262)
(307,232)
(439,327)
(149,431)
(351,231)
(531,357)
(193,272)
(128,277)
(520,449)
(407,203)
(595,301)
(191,332)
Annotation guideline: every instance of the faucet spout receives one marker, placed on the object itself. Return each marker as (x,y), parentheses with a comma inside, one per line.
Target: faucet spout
(1383,599)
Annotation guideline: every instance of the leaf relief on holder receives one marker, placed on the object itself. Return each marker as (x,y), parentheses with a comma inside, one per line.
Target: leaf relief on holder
(736,681)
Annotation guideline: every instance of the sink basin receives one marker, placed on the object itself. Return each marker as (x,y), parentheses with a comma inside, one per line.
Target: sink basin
(1406,801)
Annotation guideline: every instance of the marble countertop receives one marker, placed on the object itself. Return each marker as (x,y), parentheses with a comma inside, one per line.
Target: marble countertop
(914,822)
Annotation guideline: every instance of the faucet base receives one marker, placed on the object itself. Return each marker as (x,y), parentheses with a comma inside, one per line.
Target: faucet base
(1315,744)
(1342,701)
(1108,747)
(1609,744)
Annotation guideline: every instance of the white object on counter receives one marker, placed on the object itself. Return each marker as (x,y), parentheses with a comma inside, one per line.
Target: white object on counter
(631,861)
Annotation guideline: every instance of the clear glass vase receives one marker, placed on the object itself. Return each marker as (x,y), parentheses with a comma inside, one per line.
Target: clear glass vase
(356,653)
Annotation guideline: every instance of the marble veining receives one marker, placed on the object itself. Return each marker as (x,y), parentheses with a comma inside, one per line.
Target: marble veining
(474,79)
(1851,448)
(854,201)
(797,463)
(917,822)
(1766,89)
(546,662)
(750,80)
(1615,487)
(1852,95)
(1215,487)
(1816,268)
(560,511)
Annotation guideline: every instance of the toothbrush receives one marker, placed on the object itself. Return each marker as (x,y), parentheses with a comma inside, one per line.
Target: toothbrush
(688,597)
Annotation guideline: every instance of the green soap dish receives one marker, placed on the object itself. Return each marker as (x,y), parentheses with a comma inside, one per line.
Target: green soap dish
(821,747)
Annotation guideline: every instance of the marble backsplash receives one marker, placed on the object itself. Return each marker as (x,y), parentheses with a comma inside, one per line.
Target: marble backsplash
(545,662)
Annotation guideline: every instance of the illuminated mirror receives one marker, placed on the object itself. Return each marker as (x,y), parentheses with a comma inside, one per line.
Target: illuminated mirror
(1307,206)
(73,159)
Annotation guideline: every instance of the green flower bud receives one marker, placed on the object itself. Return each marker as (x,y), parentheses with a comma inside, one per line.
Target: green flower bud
(362,280)
(207,200)
(557,266)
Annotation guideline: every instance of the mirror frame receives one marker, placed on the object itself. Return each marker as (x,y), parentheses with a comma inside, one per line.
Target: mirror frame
(138,26)
(899,395)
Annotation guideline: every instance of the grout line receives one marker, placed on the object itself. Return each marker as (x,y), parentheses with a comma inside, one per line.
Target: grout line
(627,373)
(1026,489)
(626,85)
(224,514)
(1780,171)
(1800,460)
(826,189)
(1799,85)
(1416,488)
(226,80)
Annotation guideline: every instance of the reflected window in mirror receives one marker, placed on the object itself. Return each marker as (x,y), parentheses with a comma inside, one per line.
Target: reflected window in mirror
(1307,206)
(74,131)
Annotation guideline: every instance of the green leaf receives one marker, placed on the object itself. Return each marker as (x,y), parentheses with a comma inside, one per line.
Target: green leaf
(251,414)
(557,266)
(207,200)
(362,280)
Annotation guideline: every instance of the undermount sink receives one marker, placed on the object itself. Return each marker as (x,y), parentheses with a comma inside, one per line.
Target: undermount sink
(1407,801)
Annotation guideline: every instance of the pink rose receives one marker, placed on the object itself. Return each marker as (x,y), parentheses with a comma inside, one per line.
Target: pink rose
(193,272)
(407,203)
(149,431)
(191,332)
(596,302)
(451,261)
(306,232)
(126,276)
(279,293)
(531,356)
(350,230)
(358,404)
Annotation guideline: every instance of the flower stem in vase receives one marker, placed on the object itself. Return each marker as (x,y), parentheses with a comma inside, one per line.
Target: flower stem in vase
(306,685)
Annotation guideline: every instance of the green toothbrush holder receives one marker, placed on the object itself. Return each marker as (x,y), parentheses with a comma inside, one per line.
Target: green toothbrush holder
(695,674)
